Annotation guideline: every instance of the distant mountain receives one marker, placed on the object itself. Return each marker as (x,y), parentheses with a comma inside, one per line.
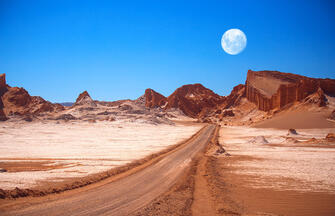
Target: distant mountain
(264,94)
(67,104)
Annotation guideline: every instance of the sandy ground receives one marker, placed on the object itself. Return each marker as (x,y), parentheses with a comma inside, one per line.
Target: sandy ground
(125,195)
(309,168)
(270,176)
(298,119)
(36,152)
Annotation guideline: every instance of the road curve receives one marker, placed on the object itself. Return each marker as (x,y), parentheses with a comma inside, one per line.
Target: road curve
(126,195)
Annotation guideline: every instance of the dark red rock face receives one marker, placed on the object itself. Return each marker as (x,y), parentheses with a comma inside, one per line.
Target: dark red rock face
(235,96)
(3,89)
(274,90)
(14,100)
(2,81)
(192,99)
(154,99)
(17,97)
(2,115)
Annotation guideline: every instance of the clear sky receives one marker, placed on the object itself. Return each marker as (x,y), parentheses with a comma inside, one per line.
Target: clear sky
(117,49)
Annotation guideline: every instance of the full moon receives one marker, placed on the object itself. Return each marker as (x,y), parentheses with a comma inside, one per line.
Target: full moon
(233,41)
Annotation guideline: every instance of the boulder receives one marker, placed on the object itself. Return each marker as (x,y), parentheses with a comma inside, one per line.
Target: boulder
(292,131)
(330,137)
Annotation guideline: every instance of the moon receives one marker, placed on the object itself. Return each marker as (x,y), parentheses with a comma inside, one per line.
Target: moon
(233,41)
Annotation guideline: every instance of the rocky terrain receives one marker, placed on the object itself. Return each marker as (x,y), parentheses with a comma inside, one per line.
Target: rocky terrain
(17,101)
(265,95)
(270,94)
(18,105)
(274,90)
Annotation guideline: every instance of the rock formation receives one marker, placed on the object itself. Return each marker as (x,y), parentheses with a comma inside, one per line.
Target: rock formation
(317,98)
(292,131)
(330,137)
(17,101)
(332,115)
(274,90)
(154,99)
(3,89)
(192,99)
(235,96)
(263,90)
(2,82)
(85,99)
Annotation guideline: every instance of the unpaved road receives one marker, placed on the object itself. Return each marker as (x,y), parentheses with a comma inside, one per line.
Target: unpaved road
(126,195)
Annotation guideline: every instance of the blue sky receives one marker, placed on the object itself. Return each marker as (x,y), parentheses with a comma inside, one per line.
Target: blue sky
(117,49)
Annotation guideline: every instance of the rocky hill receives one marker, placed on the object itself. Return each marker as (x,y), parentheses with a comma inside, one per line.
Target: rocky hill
(84,99)
(193,98)
(264,94)
(17,101)
(154,99)
(274,90)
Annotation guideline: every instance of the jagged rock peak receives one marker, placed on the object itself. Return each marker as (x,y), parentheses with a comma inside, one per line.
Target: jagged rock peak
(83,95)
(154,99)
(85,99)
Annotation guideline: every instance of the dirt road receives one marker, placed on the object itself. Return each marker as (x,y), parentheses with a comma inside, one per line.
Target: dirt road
(126,195)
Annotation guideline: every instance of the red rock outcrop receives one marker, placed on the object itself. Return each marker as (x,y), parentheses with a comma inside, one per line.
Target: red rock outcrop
(192,99)
(3,89)
(84,99)
(14,100)
(274,90)
(318,98)
(2,81)
(235,96)
(154,99)
(18,101)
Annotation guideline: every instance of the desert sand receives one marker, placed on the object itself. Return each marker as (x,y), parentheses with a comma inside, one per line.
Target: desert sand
(37,152)
(273,172)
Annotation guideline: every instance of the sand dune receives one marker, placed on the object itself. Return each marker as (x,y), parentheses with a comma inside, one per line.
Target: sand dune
(298,119)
